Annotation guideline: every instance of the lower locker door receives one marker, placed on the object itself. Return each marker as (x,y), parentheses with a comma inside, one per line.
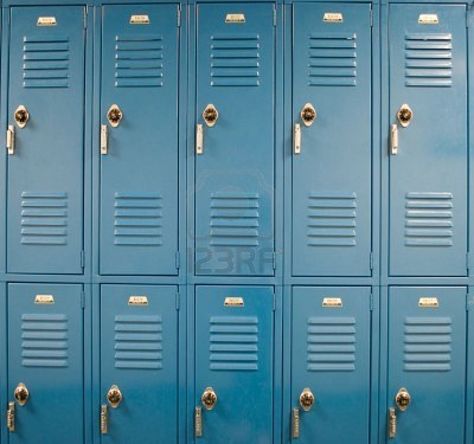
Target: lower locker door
(234,365)
(139,355)
(45,366)
(330,386)
(427,347)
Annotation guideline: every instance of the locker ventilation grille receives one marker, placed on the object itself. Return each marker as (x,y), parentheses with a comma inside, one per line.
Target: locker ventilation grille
(332,59)
(235,60)
(429,219)
(44,218)
(428,60)
(234,219)
(137,220)
(427,344)
(233,343)
(45,63)
(331,344)
(138,61)
(332,219)
(44,340)
(138,342)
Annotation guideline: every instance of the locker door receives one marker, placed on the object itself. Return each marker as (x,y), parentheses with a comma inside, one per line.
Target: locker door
(45,165)
(331,185)
(139,355)
(234,360)
(331,361)
(139,166)
(45,353)
(426,356)
(428,175)
(234,195)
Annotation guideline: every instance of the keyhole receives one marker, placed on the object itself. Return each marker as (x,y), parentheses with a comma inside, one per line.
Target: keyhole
(114,116)
(21,116)
(210,115)
(405,115)
(308,114)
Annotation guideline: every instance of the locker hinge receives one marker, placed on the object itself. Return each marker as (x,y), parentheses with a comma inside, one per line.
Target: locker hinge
(274,260)
(83,259)
(468,261)
(371,300)
(178,300)
(274,302)
(86,11)
(371,261)
(179,16)
(371,17)
(83,300)
(177,260)
(274,15)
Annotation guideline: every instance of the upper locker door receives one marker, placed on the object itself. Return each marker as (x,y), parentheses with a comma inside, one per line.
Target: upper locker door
(234,365)
(46,132)
(332,144)
(235,161)
(139,140)
(45,363)
(428,172)
(139,357)
(427,365)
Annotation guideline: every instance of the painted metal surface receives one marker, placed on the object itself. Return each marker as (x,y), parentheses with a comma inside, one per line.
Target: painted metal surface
(332,179)
(139,173)
(139,354)
(234,176)
(45,353)
(233,356)
(45,172)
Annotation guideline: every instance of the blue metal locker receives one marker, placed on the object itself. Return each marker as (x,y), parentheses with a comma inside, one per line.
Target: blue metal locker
(330,365)
(235,159)
(45,363)
(428,162)
(45,140)
(139,359)
(139,139)
(234,365)
(332,140)
(426,365)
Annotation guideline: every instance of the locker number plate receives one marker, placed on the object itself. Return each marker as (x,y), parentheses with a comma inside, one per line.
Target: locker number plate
(332,303)
(46,299)
(234,301)
(333,17)
(428,303)
(46,21)
(138,300)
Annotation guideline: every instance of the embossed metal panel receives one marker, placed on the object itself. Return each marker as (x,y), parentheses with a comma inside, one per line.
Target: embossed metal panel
(139,354)
(331,177)
(45,352)
(234,356)
(428,176)
(139,174)
(45,173)
(234,184)
(331,356)
(427,356)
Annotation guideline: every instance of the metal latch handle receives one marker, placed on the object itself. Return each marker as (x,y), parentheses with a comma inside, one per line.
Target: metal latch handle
(104,140)
(11,140)
(199,139)
(295,423)
(392,423)
(297,139)
(104,419)
(11,417)
(394,139)
(198,422)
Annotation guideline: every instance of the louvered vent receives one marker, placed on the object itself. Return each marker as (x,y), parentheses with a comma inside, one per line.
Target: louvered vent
(429,219)
(45,63)
(234,219)
(233,344)
(44,218)
(235,60)
(332,220)
(428,60)
(139,61)
(138,342)
(332,59)
(427,344)
(331,344)
(138,219)
(44,340)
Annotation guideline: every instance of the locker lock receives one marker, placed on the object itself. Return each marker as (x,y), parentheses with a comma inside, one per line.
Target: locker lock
(405,115)
(21,116)
(307,399)
(210,115)
(308,114)
(209,398)
(403,399)
(114,116)
(114,396)
(21,394)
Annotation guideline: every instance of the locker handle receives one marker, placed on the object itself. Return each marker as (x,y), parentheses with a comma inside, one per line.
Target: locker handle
(11,140)
(104,419)
(295,423)
(392,423)
(11,417)
(297,139)
(104,140)
(199,139)
(394,139)
(198,422)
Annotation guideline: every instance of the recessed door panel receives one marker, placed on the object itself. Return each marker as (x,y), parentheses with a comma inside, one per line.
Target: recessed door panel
(46,147)
(427,358)
(330,361)
(139,356)
(234,364)
(332,142)
(428,170)
(139,141)
(234,184)
(45,355)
